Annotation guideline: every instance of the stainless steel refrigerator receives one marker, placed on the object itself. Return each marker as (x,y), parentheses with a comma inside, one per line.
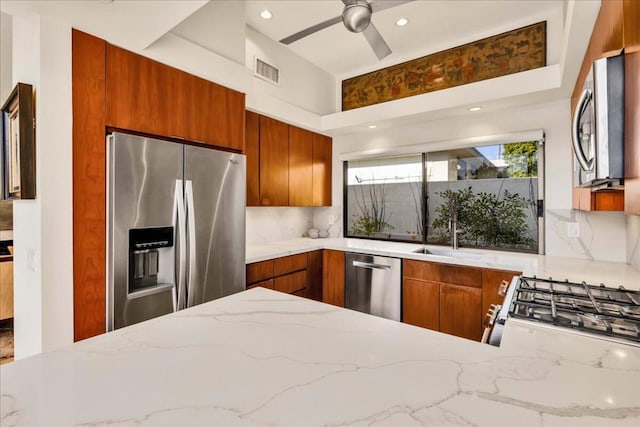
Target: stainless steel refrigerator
(176,227)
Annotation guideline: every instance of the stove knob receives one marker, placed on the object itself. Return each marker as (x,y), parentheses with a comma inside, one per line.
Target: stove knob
(502,290)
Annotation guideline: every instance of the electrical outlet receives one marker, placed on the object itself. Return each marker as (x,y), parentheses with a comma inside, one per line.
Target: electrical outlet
(573,229)
(332,219)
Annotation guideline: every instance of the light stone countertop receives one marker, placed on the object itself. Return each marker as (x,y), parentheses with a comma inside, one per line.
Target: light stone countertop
(265,358)
(560,268)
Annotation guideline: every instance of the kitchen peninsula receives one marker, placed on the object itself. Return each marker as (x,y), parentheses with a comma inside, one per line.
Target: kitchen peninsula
(266,358)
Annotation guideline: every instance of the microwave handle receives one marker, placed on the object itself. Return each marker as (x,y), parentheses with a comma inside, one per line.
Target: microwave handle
(575,130)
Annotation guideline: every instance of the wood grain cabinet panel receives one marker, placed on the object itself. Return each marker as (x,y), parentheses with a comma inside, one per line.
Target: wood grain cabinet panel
(264,284)
(88,55)
(333,269)
(252,151)
(289,264)
(300,167)
(314,275)
(290,283)
(144,95)
(214,114)
(259,271)
(632,126)
(322,161)
(6,290)
(274,162)
(421,303)
(445,273)
(460,311)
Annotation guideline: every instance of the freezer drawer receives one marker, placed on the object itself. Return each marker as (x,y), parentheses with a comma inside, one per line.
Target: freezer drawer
(373,285)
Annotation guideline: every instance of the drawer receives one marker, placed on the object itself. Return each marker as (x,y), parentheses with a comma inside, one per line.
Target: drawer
(291,283)
(259,271)
(443,273)
(264,284)
(301,293)
(289,264)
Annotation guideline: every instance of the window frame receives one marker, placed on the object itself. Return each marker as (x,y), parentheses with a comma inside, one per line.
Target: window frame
(540,205)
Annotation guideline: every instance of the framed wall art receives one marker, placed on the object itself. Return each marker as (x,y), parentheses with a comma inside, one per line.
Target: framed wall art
(18,144)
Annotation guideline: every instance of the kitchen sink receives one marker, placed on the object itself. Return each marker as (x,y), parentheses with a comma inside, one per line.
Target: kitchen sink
(449,253)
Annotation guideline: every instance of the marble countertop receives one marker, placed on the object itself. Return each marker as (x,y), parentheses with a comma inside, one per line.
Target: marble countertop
(265,358)
(593,272)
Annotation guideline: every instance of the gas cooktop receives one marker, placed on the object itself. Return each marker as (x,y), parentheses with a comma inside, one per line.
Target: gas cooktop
(600,310)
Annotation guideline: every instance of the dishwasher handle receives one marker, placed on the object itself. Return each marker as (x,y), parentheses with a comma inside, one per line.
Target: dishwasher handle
(371,266)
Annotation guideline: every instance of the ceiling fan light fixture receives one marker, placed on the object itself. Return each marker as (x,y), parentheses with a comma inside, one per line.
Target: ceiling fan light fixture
(357,16)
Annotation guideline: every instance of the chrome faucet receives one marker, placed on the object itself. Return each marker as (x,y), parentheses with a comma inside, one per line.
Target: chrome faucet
(453,223)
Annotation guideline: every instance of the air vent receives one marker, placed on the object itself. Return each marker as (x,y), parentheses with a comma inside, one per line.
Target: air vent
(267,72)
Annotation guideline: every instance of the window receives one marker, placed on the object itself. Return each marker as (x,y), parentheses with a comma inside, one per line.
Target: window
(492,190)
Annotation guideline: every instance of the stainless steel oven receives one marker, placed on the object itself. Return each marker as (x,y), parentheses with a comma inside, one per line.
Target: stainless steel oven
(373,285)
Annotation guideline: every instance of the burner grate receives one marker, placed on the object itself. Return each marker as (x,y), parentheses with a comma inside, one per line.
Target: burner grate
(599,309)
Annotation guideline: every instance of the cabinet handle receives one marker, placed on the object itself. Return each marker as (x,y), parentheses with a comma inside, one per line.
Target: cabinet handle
(371,266)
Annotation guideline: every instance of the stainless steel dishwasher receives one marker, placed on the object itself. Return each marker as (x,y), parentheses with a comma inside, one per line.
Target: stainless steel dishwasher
(373,285)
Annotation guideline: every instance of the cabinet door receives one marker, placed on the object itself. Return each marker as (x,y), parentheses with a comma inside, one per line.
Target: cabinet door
(144,95)
(322,162)
(274,162)
(214,114)
(314,275)
(333,277)
(460,311)
(421,303)
(291,283)
(259,271)
(264,284)
(300,166)
(632,127)
(252,151)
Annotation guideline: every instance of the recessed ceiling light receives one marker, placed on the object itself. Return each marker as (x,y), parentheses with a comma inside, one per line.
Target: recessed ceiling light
(265,14)
(477,108)
(402,22)
(372,126)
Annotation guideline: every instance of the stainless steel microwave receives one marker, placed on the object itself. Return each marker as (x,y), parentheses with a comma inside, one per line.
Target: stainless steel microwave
(597,126)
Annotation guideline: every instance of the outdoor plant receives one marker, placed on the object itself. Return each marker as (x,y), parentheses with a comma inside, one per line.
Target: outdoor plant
(488,219)
(373,217)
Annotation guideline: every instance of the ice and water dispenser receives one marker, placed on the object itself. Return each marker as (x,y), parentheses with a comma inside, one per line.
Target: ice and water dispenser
(150,257)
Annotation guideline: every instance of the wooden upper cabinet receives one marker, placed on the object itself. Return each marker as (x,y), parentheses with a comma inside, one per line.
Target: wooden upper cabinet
(322,160)
(146,96)
(300,166)
(274,162)
(252,151)
(214,114)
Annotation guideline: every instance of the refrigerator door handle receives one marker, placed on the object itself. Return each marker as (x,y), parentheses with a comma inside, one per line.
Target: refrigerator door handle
(191,229)
(178,202)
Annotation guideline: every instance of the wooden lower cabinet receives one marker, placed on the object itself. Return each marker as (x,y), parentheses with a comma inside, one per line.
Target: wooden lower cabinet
(333,269)
(264,284)
(421,303)
(449,298)
(314,275)
(291,283)
(460,311)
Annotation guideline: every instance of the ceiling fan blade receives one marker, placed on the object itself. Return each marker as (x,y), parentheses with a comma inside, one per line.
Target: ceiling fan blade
(310,30)
(377,43)
(378,5)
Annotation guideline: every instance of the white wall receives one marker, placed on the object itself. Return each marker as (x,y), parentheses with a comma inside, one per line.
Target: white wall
(301,83)
(43,259)
(5,56)
(601,232)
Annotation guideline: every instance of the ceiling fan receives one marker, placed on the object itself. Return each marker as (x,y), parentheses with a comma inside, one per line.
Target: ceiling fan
(356,17)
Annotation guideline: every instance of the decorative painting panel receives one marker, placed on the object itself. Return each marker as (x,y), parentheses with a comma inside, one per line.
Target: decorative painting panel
(511,52)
